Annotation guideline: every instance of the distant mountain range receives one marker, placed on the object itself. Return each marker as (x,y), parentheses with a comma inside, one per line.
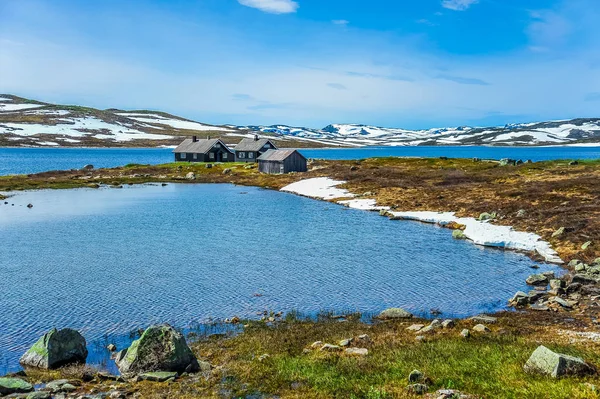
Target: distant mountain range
(26,122)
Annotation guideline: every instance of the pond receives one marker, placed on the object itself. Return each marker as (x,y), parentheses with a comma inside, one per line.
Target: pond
(34,160)
(110,261)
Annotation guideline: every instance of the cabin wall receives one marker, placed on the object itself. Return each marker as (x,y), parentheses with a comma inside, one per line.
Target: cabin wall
(206,157)
(293,163)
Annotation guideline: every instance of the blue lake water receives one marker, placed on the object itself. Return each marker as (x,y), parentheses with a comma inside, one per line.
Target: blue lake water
(110,261)
(33,160)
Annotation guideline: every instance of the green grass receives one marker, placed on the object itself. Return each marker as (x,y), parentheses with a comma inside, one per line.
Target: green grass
(488,366)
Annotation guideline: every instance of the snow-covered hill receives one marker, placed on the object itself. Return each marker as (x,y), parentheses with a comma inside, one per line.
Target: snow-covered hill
(32,123)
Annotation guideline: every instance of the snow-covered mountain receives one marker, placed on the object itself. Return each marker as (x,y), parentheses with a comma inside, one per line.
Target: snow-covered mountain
(537,133)
(32,123)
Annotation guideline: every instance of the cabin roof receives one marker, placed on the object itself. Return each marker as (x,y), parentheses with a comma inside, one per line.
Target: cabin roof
(278,155)
(201,146)
(252,144)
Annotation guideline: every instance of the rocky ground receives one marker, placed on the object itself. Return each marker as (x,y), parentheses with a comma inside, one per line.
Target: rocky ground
(332,356)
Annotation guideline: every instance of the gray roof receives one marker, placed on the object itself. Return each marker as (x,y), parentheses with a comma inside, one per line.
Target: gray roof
(277,155)
(202,146)
(252,145)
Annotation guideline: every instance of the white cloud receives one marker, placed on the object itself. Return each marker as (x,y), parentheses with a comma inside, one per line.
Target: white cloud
(458,5)
(272,6)
(342,22)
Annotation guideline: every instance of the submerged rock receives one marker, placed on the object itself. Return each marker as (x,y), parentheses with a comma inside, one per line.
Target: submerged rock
(459,235)
(55,349)
(544,361)
(160,348)
(394,313)
(10,386)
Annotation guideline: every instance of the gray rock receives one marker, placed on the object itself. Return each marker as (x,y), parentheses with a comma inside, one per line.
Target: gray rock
(191,176)
(417,389)
(481,328)
(537,279)
(112,347)
(586,245)
(538,307)
(573,287)
(416,376)
(55,349)
(580,267)
(208,166)
(226,171)
(556,283)
(563,302)
(521,213)
(435,325)
(330,348)
(88,167)
(394,313)
(415,327)
(160,348)
(583,279)
(448,323)
(574,263)
(10,386)
(465,333)
(520,299)
(484,319)
(56,385)
(544,361)
(535,296)
(357,351)
(345,342)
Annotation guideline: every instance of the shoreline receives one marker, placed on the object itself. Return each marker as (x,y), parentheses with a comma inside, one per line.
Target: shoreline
(390,186)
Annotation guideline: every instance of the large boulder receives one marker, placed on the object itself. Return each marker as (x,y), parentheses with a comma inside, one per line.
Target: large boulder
(394,313)
(9,386)
(55,349)
(160,348)
(544,361)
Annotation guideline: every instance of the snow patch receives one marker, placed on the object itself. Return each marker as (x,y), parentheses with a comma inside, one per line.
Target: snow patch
(17,107)
(318,187)
(79,127)
(363,204)
(175,123)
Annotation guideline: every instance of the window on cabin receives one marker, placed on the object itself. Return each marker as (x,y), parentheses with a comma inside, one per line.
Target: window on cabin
(242,154)
(195,156)
(225,155)
(182,155)
(250,155)
(211,155)
(267,146)
(218,145)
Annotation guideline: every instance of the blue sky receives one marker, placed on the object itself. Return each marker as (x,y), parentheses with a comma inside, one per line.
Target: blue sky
(400,63)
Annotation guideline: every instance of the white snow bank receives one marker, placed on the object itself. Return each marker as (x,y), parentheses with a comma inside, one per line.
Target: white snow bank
(318,187)
(487,234)
(5,99)
(17,107)
(363,204)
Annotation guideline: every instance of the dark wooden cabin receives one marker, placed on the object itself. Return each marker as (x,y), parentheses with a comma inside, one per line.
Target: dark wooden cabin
(282,161)
(248,150)
(203,150)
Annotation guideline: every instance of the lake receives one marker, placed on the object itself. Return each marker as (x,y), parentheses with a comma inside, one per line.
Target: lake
(33,160)
(110,261)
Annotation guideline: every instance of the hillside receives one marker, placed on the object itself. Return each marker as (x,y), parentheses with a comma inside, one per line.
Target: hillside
(26,122)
